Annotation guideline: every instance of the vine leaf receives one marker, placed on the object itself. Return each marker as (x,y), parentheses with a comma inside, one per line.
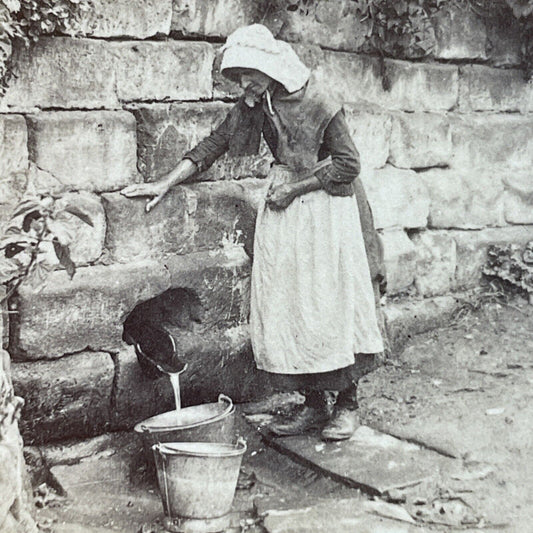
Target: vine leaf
(26,207)
(73,210)
(63,256)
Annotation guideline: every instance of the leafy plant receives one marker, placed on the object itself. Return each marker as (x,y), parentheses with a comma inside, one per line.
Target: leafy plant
(404,29)
(512,265)
(27,20)
(37,238)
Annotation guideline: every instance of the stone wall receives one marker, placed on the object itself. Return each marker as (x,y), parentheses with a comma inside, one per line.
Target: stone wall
(447,155)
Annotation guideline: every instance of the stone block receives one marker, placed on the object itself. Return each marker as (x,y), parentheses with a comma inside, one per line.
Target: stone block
(436,261)
(407,318)
(219,280)
(166,132)
(398,198)
(190,218)
(70,397)
(487,141)
(218,361)
(94,151)
(332,24)
(135,396)
(355,79)
(13,145)
(167,70)
(420,140)
(516,210)
(86,241)
(139,19)
(371,134)
(342,514)
(518,198)
(12,189)
(88,311)
(460,33)
(472,250)
(212,18)
(400,260)
(223,88)
(483,88)
(66,73)
(464,198)
(59,72)
(504,40)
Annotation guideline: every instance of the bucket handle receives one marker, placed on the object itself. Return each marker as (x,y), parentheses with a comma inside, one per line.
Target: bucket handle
(227,399)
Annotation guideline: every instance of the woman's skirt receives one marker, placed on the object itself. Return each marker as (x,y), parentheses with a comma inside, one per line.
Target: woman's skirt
(312,302)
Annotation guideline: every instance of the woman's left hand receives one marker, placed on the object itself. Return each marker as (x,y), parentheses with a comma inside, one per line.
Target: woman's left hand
(280,197)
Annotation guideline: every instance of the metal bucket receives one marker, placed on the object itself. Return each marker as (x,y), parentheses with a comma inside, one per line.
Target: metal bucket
(210,422)
(197,481)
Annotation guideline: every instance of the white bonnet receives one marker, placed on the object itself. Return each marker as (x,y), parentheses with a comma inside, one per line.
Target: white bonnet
(254,47)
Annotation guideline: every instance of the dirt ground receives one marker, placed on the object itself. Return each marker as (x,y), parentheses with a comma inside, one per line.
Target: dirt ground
(464,390)
(467,390)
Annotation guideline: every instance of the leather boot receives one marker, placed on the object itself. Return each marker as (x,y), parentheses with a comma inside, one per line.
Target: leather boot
(342,426)
(306,419)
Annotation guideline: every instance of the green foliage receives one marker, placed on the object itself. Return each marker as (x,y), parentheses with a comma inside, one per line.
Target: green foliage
(36,240)
(404,28)
(27,20)
(401,28)
(512,266)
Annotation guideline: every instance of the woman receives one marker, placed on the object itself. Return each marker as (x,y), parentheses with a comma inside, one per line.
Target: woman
(312,301)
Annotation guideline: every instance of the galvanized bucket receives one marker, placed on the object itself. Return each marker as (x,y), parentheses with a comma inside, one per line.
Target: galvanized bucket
(197,480)
(210,422)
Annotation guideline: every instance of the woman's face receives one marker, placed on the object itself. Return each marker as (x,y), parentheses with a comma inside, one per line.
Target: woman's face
(254,84)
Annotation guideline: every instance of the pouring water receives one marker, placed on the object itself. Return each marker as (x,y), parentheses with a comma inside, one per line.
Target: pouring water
(175,382)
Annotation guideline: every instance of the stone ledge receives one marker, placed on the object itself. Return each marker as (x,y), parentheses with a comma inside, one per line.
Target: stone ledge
(89,310)
(64,398)
(406,318)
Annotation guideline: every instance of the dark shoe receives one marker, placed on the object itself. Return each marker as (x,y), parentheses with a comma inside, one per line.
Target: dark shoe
(303,421)
(342,426)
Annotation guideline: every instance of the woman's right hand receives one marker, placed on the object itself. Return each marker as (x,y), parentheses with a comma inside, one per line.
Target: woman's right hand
(154,190)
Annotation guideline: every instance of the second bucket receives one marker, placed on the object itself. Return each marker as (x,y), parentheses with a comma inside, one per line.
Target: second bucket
(197,481)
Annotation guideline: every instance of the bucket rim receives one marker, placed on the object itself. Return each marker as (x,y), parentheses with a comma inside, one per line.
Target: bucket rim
(142,428)
(198,449)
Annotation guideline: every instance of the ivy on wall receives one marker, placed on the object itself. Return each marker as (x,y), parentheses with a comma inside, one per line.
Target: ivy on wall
(27,20)
(404,28)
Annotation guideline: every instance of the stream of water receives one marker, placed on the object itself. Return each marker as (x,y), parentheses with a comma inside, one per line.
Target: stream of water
(175,382)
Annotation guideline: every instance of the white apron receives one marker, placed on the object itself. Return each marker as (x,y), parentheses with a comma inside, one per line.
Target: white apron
(312,303)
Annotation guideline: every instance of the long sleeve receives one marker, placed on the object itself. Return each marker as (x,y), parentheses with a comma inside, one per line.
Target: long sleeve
(338,177)
(207,151)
